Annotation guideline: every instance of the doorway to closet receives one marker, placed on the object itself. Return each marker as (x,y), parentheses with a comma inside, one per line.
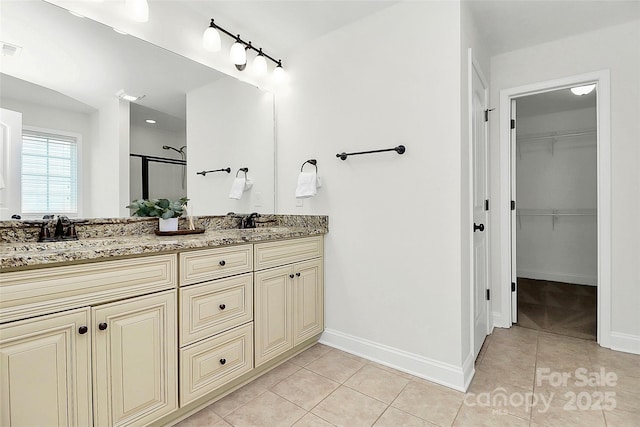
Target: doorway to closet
(555,231)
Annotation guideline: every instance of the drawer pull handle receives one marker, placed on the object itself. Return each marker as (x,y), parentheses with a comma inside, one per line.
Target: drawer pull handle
(223,361)
(222,306)
(298,274)
(291,276)
(102,326)
(83,330)
(222,263)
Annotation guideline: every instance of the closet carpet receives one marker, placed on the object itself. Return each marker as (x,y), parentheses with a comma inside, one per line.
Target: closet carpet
(561,308)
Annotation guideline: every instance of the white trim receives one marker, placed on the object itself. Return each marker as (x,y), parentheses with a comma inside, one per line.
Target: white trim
(468,369)
(423,367)
(577,279)
(601,78)
(498,322)
(625,342)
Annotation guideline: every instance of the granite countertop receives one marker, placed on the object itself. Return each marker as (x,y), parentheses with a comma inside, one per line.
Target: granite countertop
(14,256)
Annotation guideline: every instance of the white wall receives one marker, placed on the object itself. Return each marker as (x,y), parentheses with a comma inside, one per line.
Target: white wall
(393,263)
(108,161)
(614,48)
(565,179)
(42,116)
(230,124)
(165,180)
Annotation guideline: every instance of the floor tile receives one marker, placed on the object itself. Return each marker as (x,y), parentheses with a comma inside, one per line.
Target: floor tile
(488,387)
(562,413)
(618,418)
(268,410)
(376,383)
(476,416)
(305,388)
(236,399)
(336,366)
(311,420)
(430,402)
(203,418)
(392,370)
(347,407)
(394,417)
(276,375)
(310,354)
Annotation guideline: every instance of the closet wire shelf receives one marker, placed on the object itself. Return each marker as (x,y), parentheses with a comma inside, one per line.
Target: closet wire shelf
(555,214)
(555,137)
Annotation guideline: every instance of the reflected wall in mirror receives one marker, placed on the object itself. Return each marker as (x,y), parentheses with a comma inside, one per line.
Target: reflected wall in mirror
(81,65)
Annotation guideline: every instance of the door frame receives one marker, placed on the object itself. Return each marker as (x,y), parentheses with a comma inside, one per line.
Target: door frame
(474,65)
(603,140)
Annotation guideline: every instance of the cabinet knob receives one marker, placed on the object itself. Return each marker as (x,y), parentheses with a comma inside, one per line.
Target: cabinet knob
(222,263)
(83,330)
(291,276)
(102,326)
(223,361)
(222,306)
(298,274)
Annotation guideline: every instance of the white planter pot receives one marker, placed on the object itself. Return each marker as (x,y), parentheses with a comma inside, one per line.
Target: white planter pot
(170,224)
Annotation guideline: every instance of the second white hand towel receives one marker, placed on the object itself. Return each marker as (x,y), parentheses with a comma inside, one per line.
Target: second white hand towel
(308,183)
(237,188)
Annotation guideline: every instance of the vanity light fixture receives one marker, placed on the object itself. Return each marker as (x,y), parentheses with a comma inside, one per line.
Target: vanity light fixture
(238,52)
(131,98)
(583,90)
(138,10)
(151,121)
(211,38)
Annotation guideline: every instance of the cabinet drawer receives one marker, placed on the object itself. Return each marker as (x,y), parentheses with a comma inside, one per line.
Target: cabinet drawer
(36,292)
(273,254)
(209,264)
(212,307)
(209,364)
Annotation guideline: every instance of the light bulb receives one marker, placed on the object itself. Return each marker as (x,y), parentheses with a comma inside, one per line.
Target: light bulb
(260,64)
(583,90)
(138,10)
(211,39)
(237,54)
(279,74)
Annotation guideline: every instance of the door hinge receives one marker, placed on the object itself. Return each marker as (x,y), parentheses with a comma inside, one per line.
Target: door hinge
(486,114)
(513,123)
(488,294)
(513,286)
(486,205)
(513,205)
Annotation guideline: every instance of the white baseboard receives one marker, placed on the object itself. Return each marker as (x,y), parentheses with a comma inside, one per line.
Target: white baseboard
(625,342)
(578,279)
(455,377)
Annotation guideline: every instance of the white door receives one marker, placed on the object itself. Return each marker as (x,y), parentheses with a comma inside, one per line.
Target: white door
(514,271)
(10,152)
(480,208)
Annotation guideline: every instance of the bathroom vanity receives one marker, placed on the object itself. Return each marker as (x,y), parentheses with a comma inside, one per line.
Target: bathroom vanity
(145,330)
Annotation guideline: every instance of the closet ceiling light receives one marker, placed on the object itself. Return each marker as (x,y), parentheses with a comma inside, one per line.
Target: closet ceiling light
(238,53)
(151,121)
(138,10)
(211,38)
(583,90)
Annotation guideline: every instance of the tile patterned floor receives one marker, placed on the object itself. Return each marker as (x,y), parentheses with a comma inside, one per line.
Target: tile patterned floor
(556,307)
(518,382)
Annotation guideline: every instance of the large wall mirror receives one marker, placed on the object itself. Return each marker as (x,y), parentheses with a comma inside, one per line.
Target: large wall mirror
(63,83)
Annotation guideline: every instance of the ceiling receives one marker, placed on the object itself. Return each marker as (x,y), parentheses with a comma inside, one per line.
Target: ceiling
(515,24)
(90,69)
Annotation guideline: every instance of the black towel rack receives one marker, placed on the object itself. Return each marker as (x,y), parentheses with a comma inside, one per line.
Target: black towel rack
(313,162)
(245,170)
(400,149)
(204,173)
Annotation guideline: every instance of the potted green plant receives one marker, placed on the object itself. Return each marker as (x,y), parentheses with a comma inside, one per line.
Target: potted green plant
(167,211)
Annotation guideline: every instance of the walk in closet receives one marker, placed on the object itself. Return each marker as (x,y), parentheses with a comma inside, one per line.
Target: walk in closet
(556,215)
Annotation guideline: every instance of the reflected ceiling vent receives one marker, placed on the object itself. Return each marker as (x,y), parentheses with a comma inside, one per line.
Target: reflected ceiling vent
(9,49)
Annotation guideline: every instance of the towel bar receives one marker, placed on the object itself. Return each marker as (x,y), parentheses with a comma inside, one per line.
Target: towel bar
(400,149)
(204,173)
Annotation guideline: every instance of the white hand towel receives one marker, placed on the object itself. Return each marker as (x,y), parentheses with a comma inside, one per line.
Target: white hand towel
(237,188)
(308,184)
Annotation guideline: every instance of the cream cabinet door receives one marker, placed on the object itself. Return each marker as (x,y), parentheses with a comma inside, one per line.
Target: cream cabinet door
(135,360)
(45,371)
(273,323)
(308,297)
